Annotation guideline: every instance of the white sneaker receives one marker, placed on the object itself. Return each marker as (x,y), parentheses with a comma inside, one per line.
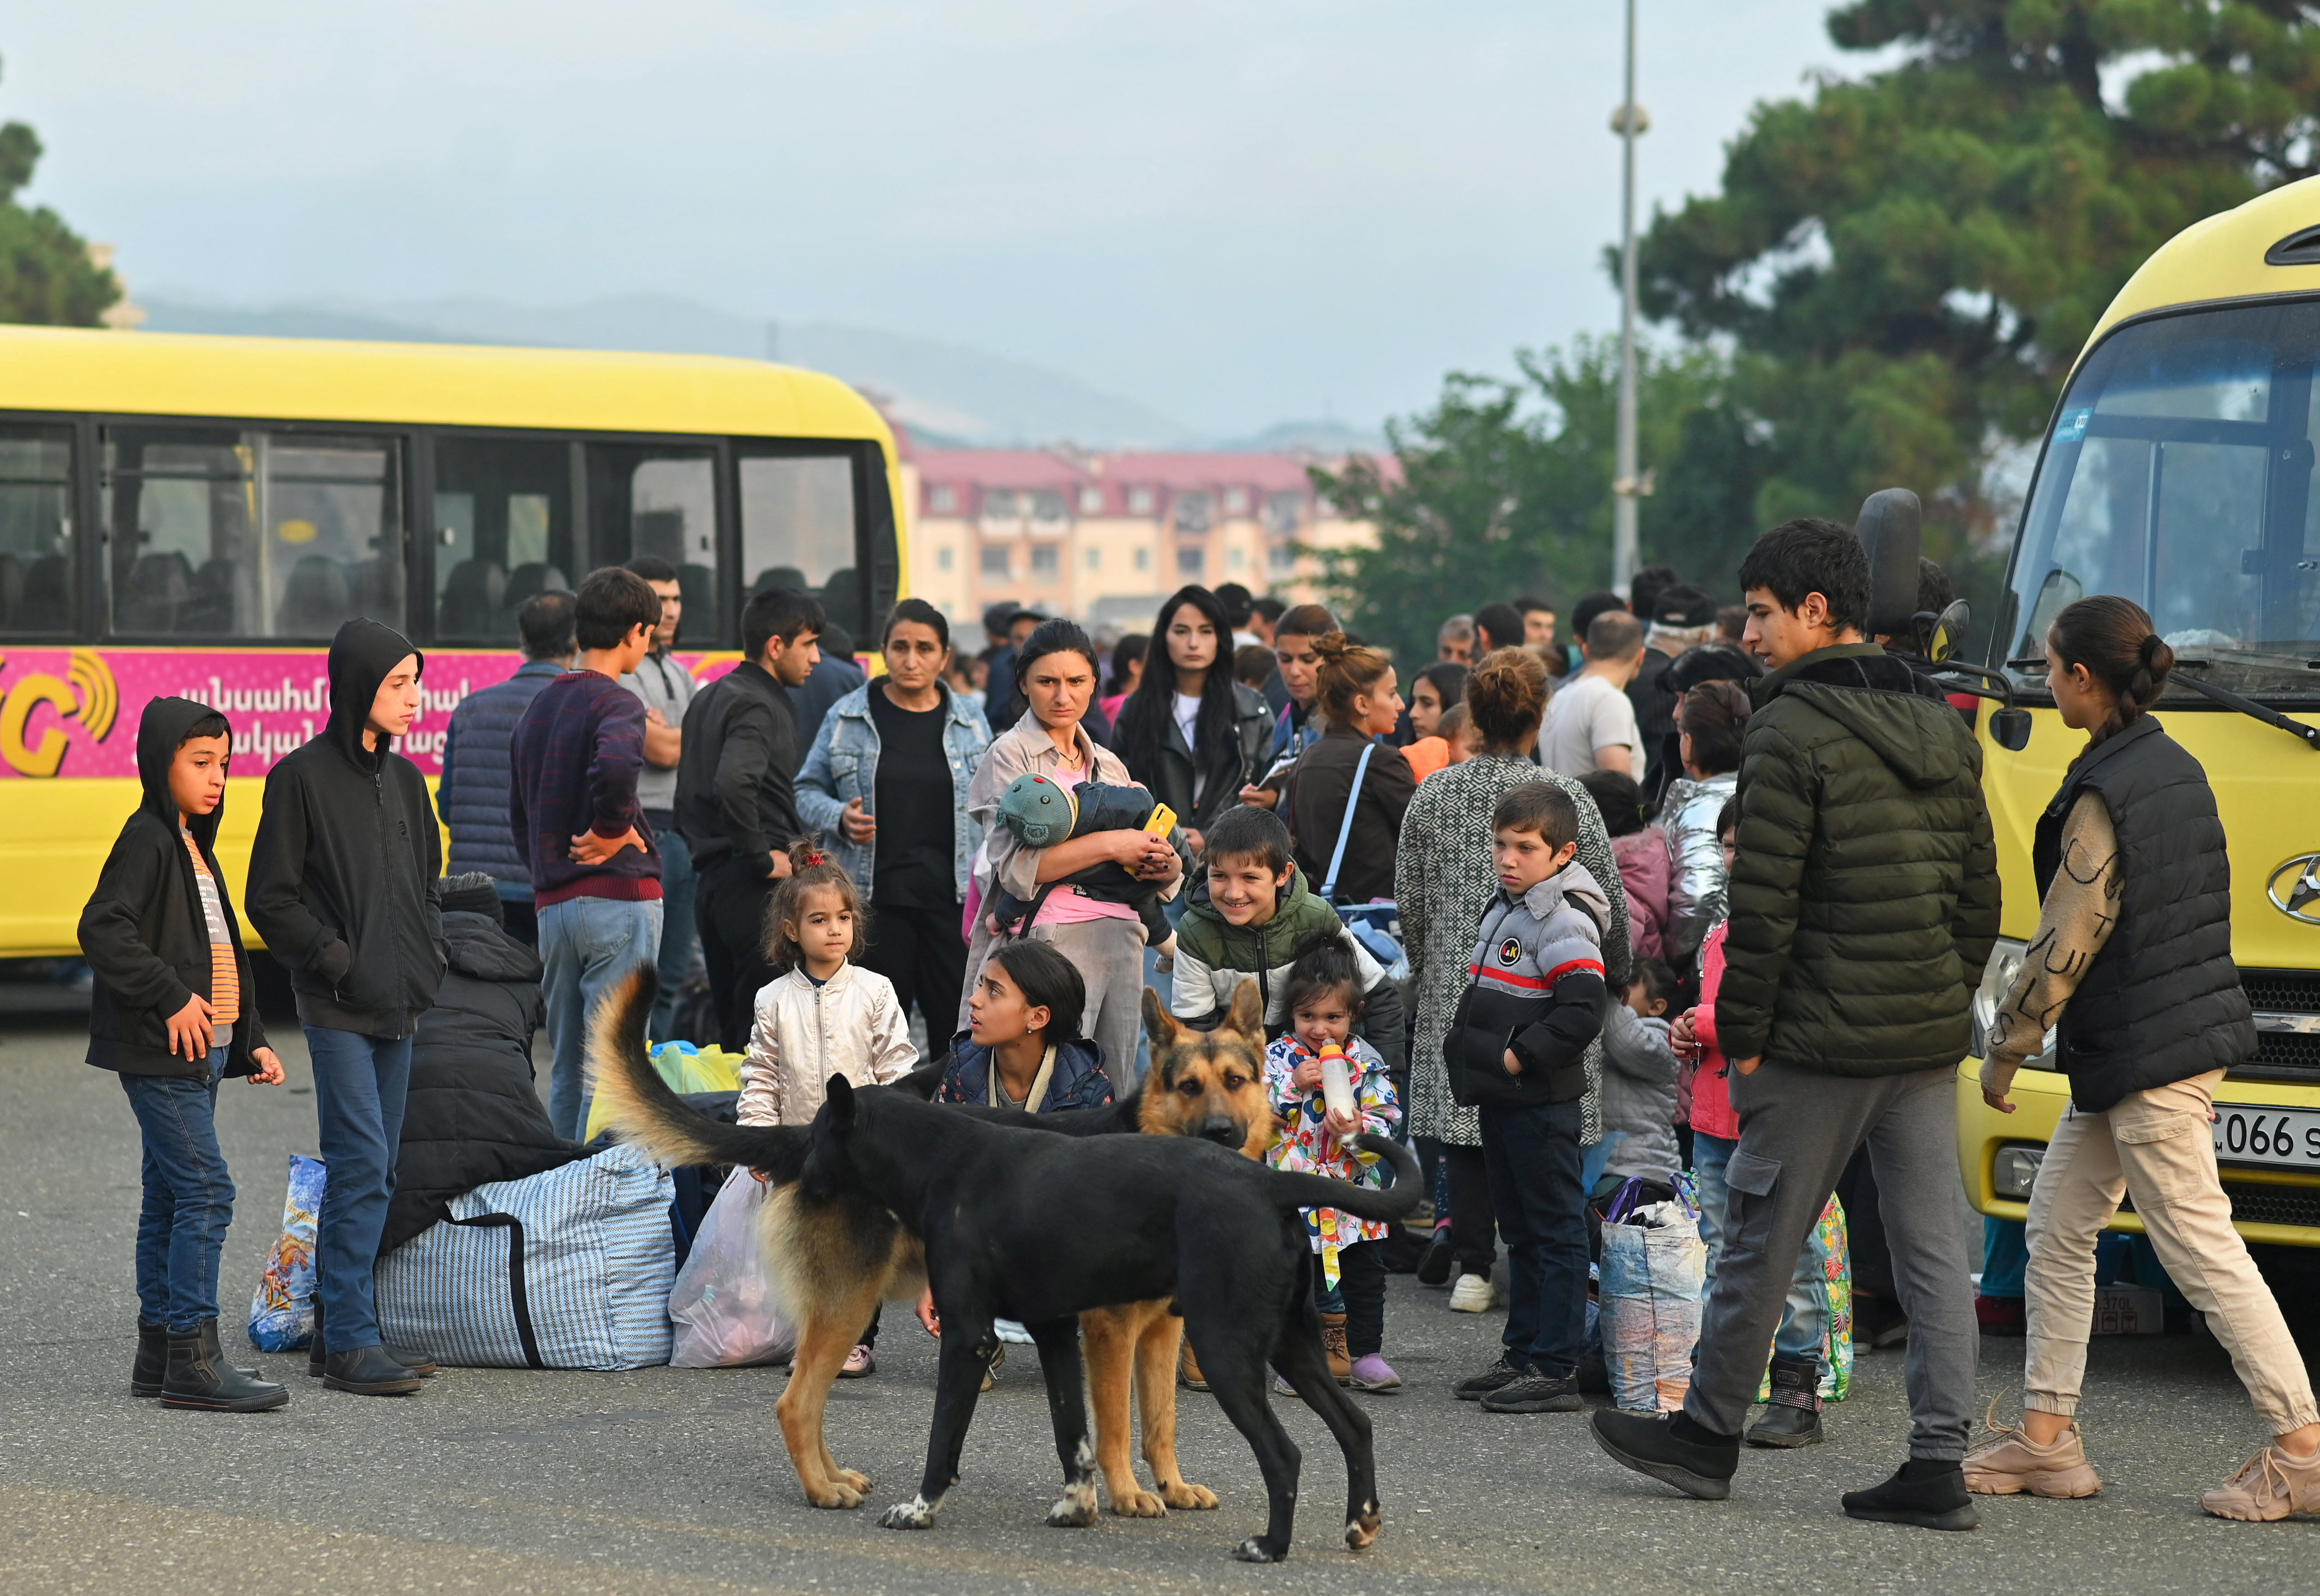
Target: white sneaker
(1472,1294)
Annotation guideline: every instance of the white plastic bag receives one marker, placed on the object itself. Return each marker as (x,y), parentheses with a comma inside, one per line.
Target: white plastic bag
(725,1307)
(1653,1276)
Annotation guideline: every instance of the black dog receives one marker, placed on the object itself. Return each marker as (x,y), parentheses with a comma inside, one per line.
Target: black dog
(1038,1227)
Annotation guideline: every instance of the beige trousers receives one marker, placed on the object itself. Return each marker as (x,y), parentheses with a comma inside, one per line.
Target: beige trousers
(2158,1145)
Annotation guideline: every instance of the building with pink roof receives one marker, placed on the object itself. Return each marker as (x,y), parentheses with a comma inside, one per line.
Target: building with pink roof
(1104,536)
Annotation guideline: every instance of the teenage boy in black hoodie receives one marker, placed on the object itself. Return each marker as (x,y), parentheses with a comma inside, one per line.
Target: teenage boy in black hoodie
(166,1014)
(344,887)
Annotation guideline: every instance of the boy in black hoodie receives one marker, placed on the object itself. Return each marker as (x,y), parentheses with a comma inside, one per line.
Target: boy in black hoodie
(166,1013)
(344,885)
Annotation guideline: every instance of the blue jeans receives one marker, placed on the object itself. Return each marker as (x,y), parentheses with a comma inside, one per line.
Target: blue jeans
(1805,1317)
(1591,1167)
(188,1197)
(359,1083)
(1533,1158)
(586,944)
(679,885)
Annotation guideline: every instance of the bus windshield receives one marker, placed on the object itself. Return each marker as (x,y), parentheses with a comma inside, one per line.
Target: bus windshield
(2180,474)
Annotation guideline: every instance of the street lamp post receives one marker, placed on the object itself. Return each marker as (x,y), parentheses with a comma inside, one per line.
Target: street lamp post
(1628,121)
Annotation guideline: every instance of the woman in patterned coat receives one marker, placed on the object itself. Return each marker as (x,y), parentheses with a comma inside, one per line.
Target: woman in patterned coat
(1443,879)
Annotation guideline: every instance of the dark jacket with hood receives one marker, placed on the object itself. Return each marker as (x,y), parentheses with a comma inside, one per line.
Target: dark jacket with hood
(474,1113)
(1078,1080)
(1864,894)
(143,931)
(344,877)
(2161,1000)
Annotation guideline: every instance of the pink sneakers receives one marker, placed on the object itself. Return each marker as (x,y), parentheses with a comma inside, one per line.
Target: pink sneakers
(2269,1486)
(2010,1463)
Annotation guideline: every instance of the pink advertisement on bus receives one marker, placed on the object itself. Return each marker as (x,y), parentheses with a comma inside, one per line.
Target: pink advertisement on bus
(74,711)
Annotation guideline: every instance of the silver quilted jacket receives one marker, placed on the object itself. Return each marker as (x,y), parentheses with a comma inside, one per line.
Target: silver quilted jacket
(1696,877)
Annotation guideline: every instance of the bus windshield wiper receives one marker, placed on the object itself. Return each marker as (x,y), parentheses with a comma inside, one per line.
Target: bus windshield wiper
(2310,734)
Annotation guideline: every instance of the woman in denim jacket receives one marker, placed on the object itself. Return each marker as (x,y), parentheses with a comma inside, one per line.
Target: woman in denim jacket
(885,785)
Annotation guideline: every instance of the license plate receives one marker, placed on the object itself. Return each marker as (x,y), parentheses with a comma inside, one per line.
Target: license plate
(2248,1133)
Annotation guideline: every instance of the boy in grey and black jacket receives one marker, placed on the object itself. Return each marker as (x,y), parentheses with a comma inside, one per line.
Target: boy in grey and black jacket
(1518,1050)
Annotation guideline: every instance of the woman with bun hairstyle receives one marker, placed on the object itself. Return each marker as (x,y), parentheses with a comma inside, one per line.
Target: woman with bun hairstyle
(1711,724)
(2132,968)
(1443,878)
(1355,696)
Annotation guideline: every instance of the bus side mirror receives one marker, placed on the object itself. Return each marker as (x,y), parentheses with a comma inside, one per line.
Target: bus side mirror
(1949,631)
(2010,729)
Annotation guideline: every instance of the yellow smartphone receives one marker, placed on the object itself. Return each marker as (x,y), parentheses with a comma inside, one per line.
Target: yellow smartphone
(1162,821)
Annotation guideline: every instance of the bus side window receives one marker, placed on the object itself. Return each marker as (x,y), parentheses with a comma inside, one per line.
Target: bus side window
(35,530)
(221,533)
(504,530)
(660,500)
(800,529)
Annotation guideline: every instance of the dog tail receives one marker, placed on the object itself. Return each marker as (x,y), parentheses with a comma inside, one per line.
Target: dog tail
(642,1109)
(1292,1190)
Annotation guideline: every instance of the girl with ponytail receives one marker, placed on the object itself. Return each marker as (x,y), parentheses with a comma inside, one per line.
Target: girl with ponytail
(2105,665)
(2131,966)
(1355,695)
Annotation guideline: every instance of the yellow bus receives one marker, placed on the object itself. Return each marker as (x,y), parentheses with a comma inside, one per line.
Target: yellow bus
(2179,470)
(197,514)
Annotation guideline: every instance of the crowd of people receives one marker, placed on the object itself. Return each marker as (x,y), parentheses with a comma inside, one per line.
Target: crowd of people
(1654,891)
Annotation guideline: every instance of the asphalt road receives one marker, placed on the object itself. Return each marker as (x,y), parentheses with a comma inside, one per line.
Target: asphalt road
(675,1481)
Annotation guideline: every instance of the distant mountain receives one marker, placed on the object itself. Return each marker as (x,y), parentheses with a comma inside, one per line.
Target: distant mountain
(944,391)
(1320,437)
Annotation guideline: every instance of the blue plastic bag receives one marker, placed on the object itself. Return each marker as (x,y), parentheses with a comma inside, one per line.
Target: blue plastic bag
(282,1312)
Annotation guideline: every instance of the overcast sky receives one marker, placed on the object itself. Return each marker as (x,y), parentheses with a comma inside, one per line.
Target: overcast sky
(1235,213)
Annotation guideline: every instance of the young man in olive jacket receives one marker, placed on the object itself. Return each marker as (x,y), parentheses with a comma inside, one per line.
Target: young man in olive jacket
(1864,900)
(344,887)
(168,1013)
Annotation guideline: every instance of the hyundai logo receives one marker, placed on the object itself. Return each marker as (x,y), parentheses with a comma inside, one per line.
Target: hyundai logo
(2295,888)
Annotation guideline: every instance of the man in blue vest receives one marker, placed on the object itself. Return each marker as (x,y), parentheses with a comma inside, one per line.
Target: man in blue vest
(473,796)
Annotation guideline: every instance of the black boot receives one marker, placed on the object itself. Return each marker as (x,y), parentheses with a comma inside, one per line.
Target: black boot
(422,1364)
(368,1371)
(1794,1419)
(152,1365)
(1434,1264)
(1669,1446)
(199,1376)
(1927,1492)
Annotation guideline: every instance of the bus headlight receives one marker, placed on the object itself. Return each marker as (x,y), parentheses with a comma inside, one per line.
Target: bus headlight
(2015,1169)
(1997,979)
(2005,957)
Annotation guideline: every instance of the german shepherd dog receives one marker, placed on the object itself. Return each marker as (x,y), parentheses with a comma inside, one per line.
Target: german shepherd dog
(1205,1084)
(889,1190)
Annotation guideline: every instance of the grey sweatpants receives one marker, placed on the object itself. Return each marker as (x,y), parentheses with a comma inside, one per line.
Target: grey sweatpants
(1798,1130)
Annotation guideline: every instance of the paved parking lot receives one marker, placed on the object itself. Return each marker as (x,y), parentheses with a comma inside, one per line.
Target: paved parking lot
(674,1481)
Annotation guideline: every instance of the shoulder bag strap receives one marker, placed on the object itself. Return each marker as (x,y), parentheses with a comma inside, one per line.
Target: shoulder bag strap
(1344,831)
(518,1299)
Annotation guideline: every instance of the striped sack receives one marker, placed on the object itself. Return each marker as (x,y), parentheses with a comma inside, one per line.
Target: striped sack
(566,1270)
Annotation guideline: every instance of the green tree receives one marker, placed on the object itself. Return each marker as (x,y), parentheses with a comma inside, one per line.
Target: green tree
(1906,264)
(45,273)
(1504,487)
